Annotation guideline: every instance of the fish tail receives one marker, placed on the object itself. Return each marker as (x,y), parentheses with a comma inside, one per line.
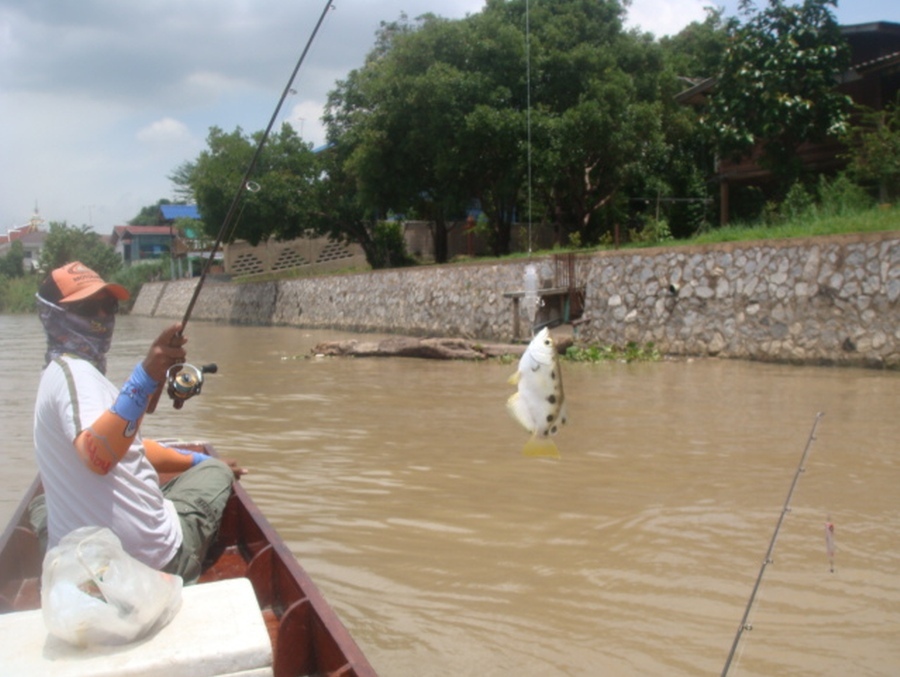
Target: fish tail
(541,447)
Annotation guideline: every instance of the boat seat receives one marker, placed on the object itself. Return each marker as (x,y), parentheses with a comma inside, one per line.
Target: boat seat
(219,630)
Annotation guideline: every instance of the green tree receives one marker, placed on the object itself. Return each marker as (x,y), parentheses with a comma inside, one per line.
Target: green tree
(695,53)
(439,115)
(337,211)
(496,171)
(150,215)
(600,103)
(400,117)
(278,193)
(875,150)
(65,244)
(11,262)
(293,192)
(690,57)
(776,85)
(181,182)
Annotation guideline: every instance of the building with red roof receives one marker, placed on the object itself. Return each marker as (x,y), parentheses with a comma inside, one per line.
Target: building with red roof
(142,243)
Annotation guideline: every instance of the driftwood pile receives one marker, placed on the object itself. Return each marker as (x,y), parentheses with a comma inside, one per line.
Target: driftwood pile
(428,348)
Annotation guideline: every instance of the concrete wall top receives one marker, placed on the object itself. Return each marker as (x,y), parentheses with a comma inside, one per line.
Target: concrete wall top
(831,299)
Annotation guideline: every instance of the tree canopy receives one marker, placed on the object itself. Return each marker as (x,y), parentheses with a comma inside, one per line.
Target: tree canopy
(150,215)
(278,194)
(65,244)
(548,111)
(875,154)
(776,83)
(440,115)
(11,263)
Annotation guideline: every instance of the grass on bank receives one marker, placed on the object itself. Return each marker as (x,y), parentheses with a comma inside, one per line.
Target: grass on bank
(879,219)
(811,222)
(884,218)
(808,220)
(17,293)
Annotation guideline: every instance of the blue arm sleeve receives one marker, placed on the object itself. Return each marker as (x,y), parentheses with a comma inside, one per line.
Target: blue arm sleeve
(134,396)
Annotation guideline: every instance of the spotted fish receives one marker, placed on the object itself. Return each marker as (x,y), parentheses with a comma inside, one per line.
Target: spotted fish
(539,404)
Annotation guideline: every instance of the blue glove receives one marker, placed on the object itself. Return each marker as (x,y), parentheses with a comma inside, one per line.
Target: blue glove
(196,456)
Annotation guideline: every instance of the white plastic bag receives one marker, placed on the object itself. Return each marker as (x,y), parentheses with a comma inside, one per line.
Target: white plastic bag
(94,593)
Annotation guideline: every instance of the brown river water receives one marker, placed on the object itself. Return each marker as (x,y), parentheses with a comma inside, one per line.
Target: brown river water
(399,485)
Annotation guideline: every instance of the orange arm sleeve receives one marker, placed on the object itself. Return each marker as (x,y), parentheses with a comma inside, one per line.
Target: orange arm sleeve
(167,459)
(103,444)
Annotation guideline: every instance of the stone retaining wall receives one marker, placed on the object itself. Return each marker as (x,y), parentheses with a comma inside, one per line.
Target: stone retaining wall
(817,300)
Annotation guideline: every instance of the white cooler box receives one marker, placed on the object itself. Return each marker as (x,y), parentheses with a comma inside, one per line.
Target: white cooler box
(218,631)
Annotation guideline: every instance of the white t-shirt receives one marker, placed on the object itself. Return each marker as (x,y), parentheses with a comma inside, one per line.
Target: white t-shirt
(128,500)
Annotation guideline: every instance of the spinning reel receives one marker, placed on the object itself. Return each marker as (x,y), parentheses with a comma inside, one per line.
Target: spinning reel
(183,381)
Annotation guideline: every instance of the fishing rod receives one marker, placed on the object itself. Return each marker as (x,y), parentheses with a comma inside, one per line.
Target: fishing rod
(768,558)
(245,184)
(183,381)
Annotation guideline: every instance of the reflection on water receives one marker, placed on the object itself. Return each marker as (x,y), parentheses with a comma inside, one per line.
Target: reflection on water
(399,485)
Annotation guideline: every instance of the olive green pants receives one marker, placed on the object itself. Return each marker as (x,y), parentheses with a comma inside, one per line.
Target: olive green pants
(199,495)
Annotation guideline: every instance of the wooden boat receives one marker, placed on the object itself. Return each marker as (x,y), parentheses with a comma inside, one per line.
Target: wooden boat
(307,636)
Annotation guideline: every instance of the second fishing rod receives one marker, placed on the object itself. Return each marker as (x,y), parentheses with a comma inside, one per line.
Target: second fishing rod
(767,560)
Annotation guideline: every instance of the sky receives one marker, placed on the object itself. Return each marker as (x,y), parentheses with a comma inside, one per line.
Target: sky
(101,100)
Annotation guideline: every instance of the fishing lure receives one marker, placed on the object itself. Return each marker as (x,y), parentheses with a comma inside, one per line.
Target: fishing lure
(829,542)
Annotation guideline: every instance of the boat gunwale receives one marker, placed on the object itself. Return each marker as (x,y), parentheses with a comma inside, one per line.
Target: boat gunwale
(289,600)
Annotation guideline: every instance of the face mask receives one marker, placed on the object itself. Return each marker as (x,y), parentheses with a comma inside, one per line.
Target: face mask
(67,333)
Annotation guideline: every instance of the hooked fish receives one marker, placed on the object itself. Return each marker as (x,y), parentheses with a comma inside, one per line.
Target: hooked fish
(539,403)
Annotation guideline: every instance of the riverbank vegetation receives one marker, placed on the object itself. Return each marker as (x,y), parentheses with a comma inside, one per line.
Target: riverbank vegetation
(433,127)
(840,209)
(65,244)
(589,145)
(630,352)
(829,207)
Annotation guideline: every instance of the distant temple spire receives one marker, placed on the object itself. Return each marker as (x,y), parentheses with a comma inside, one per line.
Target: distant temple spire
(35,221)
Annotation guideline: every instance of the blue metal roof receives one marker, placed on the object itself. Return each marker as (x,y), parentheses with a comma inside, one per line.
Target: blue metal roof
(171,212)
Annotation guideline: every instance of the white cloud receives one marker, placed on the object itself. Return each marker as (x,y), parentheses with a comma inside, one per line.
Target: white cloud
(305,118)
(206,85)
(165,131)
(102,100)
(665,17)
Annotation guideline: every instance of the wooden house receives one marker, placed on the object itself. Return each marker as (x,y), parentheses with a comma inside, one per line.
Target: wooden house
(873,80)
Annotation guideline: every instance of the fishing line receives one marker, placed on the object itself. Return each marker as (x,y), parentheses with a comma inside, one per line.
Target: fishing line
(528,110)
(744,625)
(246,184)
(530,299)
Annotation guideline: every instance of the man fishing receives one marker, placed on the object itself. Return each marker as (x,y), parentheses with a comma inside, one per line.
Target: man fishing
(95,467)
